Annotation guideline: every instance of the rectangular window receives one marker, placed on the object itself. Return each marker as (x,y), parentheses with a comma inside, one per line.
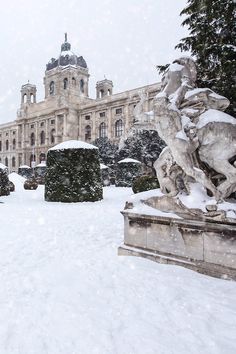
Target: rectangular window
(87,117)
(14,133)
(52,121)
(102,114)
(32,126)
(41,124)
(118,110)
(6,134)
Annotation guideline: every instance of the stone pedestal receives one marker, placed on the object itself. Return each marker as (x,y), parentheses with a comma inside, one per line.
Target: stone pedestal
(205,246)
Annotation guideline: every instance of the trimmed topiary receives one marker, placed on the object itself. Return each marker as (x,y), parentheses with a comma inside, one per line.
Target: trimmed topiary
(126,171)
(11,186)
(105,175)
(4,180)
(40,172)
(73,173)
(31,183)
(25,171)
(145,183)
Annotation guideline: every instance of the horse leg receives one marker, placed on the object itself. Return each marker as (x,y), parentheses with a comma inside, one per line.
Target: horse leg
(226,169)
(185,161)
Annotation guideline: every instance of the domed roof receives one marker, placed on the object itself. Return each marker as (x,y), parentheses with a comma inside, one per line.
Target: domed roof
(67,57)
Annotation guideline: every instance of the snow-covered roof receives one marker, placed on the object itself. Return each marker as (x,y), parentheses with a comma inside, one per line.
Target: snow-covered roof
(212,115)
(2,167)
(73,144)
(24,166)
(127,160)
(103,167)
(66,58)
(67,52)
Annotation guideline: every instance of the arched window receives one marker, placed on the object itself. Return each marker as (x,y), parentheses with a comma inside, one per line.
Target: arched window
(42,137)
(42,157)
(7,144)
(13,162)
(81,84)
(0,146)
(6,161)
(119,128)
(32,98)
(102,130)
(25,98)
(108,92)
(65,83)
(52,136)
(32,160)
(101,93)
(73,81)
(32,139)
(51,88)
(87,133)
(14,144)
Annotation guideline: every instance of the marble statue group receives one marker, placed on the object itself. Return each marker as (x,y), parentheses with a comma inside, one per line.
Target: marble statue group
(200,137)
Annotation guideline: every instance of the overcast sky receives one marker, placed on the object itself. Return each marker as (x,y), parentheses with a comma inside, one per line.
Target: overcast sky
(123,39)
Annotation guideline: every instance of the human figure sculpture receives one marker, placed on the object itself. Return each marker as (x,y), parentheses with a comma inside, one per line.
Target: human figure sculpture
(139,112)
(141,118)
(200,138)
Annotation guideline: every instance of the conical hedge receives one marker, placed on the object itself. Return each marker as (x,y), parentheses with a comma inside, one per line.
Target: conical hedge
(73,173)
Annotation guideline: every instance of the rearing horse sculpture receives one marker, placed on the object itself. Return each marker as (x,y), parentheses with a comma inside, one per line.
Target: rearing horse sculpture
(195,130)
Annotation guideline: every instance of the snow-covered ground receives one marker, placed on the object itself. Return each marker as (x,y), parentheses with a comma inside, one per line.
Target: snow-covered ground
(64,290)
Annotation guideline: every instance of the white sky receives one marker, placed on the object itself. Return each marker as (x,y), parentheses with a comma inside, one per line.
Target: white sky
(123,39)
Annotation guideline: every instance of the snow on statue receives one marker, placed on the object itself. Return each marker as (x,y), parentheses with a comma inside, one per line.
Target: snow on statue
(200,138)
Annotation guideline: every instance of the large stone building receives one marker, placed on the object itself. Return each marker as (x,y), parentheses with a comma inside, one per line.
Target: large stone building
(67,112)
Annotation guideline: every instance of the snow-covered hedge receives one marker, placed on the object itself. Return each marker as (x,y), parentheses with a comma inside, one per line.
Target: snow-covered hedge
(25,171)
(145,183)
(40,172)
(73,173)
(4,181)
(105,175)
(126,171)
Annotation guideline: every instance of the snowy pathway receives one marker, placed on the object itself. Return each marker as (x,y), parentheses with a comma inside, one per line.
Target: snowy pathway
(64,290)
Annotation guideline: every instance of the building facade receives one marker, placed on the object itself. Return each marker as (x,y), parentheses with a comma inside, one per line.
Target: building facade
(67,112)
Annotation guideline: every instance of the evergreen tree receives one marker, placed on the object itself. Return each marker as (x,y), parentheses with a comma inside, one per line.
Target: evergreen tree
(144,146)
(212,41)
(106,151)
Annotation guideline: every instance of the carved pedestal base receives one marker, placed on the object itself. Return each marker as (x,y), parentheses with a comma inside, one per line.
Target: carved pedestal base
(207,247)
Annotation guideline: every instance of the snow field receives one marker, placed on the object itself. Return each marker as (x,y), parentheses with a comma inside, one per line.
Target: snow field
(64,290)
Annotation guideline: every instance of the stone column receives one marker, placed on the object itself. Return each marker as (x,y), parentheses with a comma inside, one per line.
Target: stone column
(25,142)
(37,143)
(47,133)
(56,129)
(96,127)
(110,123)
(126,118)
(64,127)
(93,126)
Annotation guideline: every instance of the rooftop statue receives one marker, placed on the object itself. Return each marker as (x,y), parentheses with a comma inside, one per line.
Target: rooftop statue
(200,138)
